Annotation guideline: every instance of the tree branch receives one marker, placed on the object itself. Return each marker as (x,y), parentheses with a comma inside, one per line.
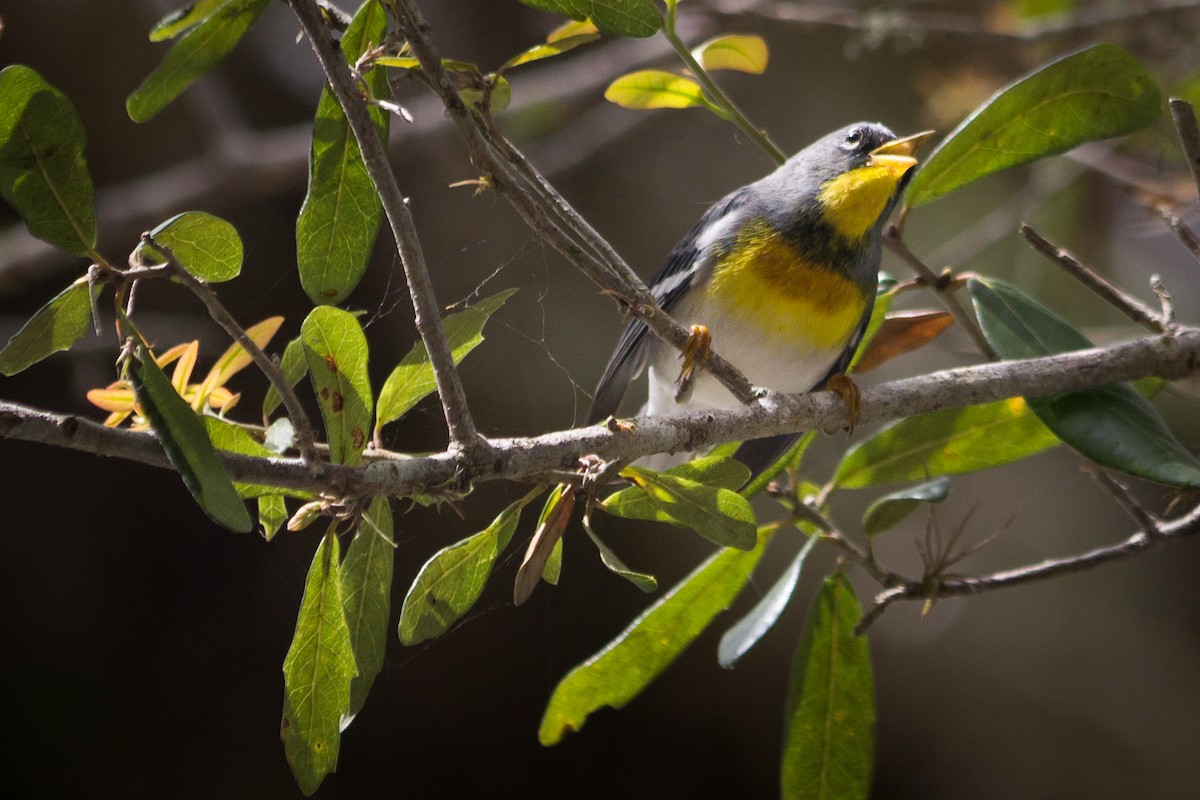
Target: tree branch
(427,312)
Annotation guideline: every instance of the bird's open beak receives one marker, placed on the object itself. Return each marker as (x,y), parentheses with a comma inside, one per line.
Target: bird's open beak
(898,154)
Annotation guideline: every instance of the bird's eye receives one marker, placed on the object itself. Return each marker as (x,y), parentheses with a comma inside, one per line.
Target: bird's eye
(853,139)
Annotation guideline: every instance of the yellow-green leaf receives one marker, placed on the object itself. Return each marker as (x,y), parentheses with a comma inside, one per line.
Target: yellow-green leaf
(366,577)
(56,326)
(654,88)
(735,52)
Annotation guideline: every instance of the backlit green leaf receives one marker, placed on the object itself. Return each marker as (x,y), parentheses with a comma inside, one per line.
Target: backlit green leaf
(453,579)
(42,170)
(952,441)
(628,664)
(654,88)
(272,514)
(890,509)
(338,223)
(336,351)
(735,52)
(56,326)
(182,435)
(317,673)
(637,18)
(1113,426)
(231,438)
(194,54)
(206,246)
(182,19)
(789,460)
(294,367)
(829,729)
(366,590)
(642,580)
(549,49)
(412,380)
(1092,94)
(719,515)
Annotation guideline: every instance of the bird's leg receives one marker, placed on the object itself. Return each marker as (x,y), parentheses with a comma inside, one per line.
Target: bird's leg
(694,354)
(848,390)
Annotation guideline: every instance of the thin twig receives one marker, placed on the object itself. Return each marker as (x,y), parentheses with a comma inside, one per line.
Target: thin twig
(1147,523)
(427,317)
(942,285)
(1189,135)
(1124,302)
(305,439)
(1185,234)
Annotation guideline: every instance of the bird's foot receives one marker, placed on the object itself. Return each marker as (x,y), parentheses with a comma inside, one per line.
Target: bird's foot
(695,355)
(848,390)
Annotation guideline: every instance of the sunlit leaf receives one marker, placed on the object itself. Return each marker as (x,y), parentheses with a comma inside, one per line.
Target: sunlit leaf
(194,54)
(1092,94)
(336,351)
(642,580)
(550,49)
(272,514)
(750,629)
(294,367)
(735,52)
(829,728)
(890,509)
(206,246)
(182,435)
(451,581)
(947,442)
(338,223)
(543,556)
(366,576)
(317,673)
(628,664)
(43,173)
(719,515)
(56,326)
(572,28)
(1113,426)
(900,333)
(654,88)
(231,438)
(789,460)
(236,358)
(413,380)
(182,19)
(498,98)
(637,18)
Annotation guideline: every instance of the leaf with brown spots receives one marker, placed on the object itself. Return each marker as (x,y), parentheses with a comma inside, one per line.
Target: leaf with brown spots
(336,351)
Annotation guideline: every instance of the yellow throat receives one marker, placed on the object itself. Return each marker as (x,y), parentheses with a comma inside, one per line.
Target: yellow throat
(854,200)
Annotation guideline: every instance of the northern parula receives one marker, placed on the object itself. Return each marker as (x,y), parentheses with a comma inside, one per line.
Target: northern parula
(781,276)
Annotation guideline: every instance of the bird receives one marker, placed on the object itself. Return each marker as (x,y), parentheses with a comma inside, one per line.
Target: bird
(778,276)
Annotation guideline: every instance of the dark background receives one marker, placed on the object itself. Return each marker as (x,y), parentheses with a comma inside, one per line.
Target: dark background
(142,646)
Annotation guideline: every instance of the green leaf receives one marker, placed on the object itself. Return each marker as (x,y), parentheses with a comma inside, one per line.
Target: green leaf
(206,246)
(317,673)
(56,326)
(182,19)
(829,730)
(552,569)
(628,664)
(548,50)
(1113,426)
(294,367)
(412,380)
(721,471)
(338,223)
(740,53)
(453,579)
(231,438)
(43,173)
(194,54)
(789,460)
(336,351)
(952,441)
(1092,94)
(890,509)
(182,435)
(750,629)
(719,515)
(637,18)
(644,581)
(272,514)
(654,88)
(366,590)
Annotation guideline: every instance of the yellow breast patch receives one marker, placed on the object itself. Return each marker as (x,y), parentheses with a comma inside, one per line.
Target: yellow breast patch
(765,280)
(854,200)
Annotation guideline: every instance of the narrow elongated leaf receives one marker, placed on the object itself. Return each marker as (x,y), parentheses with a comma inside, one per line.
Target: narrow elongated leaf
(543,556)
(890,509)
(901,333)
(366,590)
(194,54)
(638,18)
(183,19)
(317,673)
(549,49)
(829,730)
(1113,426)
(571,28)
(236,358)
(735,52)
(336,351)
(1093,94)
(338,223)
(644,581)
(204,245)
(627,665)
(952,441)
(452,580)
(182,435)
(719,515)
(43,173)
(654,88)
(750,629)
(56,326)
(294,367)
(412,380)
